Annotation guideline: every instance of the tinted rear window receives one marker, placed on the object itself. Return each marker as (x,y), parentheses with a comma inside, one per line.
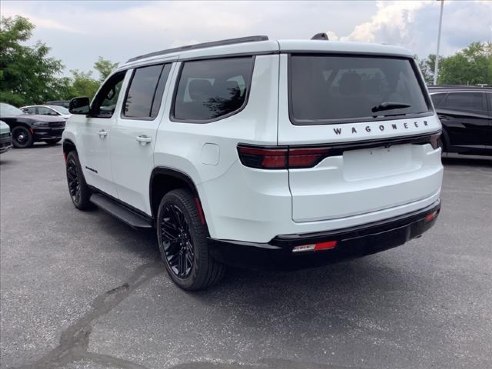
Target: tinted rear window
(211,89)
(329,89)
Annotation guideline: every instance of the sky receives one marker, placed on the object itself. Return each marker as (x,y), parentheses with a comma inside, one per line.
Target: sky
(78,32)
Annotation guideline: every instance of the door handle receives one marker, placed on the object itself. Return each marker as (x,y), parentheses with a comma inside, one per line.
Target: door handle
(102,133)
(143,139)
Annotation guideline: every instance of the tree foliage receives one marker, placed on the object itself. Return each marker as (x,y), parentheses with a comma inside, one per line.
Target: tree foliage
(82,84)
(104,67)
(470,66)
(28,74)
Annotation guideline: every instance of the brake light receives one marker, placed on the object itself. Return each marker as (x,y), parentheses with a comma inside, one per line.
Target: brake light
(281,157)
(306,157)
(263,157)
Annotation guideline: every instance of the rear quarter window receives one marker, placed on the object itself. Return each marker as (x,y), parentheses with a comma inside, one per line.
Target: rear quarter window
(336,88)
(209,90)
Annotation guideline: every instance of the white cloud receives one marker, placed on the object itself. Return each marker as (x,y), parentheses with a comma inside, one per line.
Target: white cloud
(40,22)
(391,21)
(414,25)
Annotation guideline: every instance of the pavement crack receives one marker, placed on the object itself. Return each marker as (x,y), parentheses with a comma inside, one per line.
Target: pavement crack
(74,341)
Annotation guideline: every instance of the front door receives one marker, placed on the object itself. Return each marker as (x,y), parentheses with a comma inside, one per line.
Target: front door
(95,135)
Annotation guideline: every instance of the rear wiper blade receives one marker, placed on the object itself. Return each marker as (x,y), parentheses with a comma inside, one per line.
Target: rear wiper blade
(388,105)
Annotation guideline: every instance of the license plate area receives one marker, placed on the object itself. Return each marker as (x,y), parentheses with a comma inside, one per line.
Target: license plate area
(378,162)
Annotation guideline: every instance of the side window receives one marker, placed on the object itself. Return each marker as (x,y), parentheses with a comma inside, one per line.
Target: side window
(466,101)
(46,111)
(144,95)
(210,89)
(437,99)
(105,101)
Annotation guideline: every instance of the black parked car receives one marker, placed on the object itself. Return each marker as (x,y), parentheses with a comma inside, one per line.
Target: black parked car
(29,128)
(466,117)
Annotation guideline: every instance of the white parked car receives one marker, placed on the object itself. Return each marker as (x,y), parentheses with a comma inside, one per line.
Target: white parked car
(259,152)
(53,110)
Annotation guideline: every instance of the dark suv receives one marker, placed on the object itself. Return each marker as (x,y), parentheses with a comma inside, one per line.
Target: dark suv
(466,117)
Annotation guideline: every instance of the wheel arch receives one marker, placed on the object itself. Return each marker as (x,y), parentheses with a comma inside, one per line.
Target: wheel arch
(68,146)
(163,180)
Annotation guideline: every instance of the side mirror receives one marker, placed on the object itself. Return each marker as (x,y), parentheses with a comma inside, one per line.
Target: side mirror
(79,105)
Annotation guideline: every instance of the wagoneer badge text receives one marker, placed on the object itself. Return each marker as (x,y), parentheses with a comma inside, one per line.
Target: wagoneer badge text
(382,127)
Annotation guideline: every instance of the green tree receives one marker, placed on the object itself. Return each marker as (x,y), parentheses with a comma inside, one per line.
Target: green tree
(427,67)
(470,66)
(82,84)
(104,67)
(27,74)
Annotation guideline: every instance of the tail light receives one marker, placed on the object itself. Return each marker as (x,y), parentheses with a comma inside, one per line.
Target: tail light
(297,157)
(263,157)
(281,157)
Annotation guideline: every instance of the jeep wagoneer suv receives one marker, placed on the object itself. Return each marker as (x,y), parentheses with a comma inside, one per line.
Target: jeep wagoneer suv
(259,152)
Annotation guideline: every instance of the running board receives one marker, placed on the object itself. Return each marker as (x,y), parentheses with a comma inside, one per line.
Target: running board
(121,212)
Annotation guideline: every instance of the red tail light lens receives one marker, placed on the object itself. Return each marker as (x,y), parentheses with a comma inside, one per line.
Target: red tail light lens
(328,245)
(281,158)
(306,157)
(263,157)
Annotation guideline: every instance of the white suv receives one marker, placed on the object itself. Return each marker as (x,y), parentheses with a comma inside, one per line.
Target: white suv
(260,153)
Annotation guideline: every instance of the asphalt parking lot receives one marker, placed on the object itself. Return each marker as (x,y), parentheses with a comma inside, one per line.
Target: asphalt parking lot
(82,290)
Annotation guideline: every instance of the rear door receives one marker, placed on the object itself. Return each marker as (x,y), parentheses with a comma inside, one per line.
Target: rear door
(133,137)
(466,120)
(371,120)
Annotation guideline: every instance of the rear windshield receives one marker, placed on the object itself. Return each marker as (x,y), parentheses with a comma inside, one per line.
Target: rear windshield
(336,89)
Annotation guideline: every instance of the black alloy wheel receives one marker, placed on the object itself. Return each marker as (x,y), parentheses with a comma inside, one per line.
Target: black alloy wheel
(177,242)
(77,187)
(182,236)
(21,137)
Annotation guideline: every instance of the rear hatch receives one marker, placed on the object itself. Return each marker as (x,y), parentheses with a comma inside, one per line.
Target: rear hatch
(366,132)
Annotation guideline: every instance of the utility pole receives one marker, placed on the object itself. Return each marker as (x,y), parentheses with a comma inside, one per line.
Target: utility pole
(436,66)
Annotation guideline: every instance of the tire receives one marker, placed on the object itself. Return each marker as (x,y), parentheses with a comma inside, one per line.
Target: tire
(22,137)
(52,141)
(77,187)
(183,243)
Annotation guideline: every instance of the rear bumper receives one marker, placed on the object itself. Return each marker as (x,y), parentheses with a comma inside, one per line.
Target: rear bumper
(350,243)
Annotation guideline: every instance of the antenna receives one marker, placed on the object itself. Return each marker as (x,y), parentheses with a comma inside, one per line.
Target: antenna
(320,36)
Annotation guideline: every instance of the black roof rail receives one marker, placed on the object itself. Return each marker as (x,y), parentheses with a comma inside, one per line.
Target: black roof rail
(203,45)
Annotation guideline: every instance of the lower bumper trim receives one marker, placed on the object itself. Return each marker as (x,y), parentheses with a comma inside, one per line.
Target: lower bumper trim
(350,243)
